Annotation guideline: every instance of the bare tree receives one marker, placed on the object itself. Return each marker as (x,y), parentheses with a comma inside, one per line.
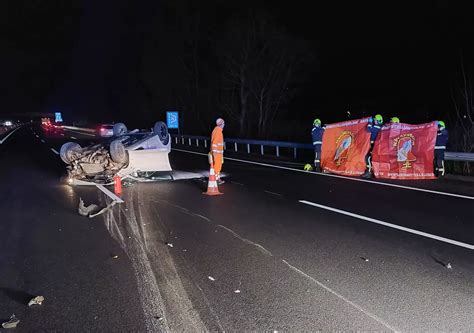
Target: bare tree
(462,94)
(260,63)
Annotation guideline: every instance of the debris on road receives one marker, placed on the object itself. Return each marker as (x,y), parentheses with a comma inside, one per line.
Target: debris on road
(93,210)
(38,300)
(448,265)
(237,291)
(12,323)
(211,278)
(86,210)
(114,256)
(365,259)
(169,244)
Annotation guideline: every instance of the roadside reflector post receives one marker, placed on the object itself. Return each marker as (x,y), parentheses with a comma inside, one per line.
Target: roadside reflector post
(197,142)
(235,146)
(182,140)
(278,151)
(176,139)
(248,148)
(205,143)
(190,141)
(294,152)
(261,149)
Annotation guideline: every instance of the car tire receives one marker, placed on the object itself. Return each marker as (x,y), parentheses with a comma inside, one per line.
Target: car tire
(118,153)
(161,130)
(119,129)
(67,150)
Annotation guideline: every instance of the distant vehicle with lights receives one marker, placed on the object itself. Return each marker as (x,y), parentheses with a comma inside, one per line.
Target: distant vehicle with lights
(106,130)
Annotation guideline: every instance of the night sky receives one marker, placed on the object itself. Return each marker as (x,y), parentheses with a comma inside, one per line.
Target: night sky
(91,59)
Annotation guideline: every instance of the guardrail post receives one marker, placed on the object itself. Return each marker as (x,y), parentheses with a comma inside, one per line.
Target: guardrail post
(278,151)
(189,141)
(235,146)
(176,139)
(197,142)
(294,152)
(205,143)
(261,149)
(248,148)
(182,140)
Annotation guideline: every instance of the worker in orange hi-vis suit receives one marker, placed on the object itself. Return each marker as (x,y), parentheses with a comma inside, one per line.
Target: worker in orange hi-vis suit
(217,148)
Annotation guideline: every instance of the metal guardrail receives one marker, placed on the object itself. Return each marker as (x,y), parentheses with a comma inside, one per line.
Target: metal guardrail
(245,145)
(459,156)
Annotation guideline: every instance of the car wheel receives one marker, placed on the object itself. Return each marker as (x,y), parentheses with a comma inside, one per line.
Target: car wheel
(118,153)
(161,130)
(67,150)
(120,129)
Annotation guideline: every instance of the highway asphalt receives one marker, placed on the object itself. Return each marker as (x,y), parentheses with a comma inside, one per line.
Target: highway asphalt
(281,250)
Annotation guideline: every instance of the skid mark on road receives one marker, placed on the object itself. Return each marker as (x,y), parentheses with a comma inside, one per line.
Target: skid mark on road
(202,217)
(182,209)
(160,287)
(335,293)
(171,204)
(211,309)
(273,193)
(148,291)
(258,246)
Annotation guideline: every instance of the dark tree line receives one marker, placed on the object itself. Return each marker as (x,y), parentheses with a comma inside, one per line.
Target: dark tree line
(242,65)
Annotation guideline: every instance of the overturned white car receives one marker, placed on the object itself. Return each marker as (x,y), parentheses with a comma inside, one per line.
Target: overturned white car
(128,154)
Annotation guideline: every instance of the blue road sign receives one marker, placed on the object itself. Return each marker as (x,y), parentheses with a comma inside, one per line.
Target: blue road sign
(58,117)
(172,119)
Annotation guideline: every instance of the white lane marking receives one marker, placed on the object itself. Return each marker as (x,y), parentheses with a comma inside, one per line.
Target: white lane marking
(109,194)
(8,135)
(247,241)
(82,133)
(74,138)
(54,151)
(202,217)
(43,141)
(335,293)
(273,193)
(37,136)
(337,176)
(62,134)
(390,225)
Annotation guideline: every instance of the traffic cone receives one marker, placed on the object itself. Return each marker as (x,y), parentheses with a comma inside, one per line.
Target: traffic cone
(117,185)
(212,188)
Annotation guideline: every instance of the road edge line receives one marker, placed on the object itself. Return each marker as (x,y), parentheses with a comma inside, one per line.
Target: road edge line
(390,225)
(8,135)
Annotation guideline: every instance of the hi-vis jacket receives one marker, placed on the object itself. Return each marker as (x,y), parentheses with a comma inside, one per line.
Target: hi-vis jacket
(217,141)
(317,134)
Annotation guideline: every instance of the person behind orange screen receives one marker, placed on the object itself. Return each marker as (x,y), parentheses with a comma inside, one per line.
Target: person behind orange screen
(217,148)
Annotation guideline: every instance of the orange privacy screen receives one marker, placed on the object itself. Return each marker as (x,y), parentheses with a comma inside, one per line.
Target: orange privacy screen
(345,146)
